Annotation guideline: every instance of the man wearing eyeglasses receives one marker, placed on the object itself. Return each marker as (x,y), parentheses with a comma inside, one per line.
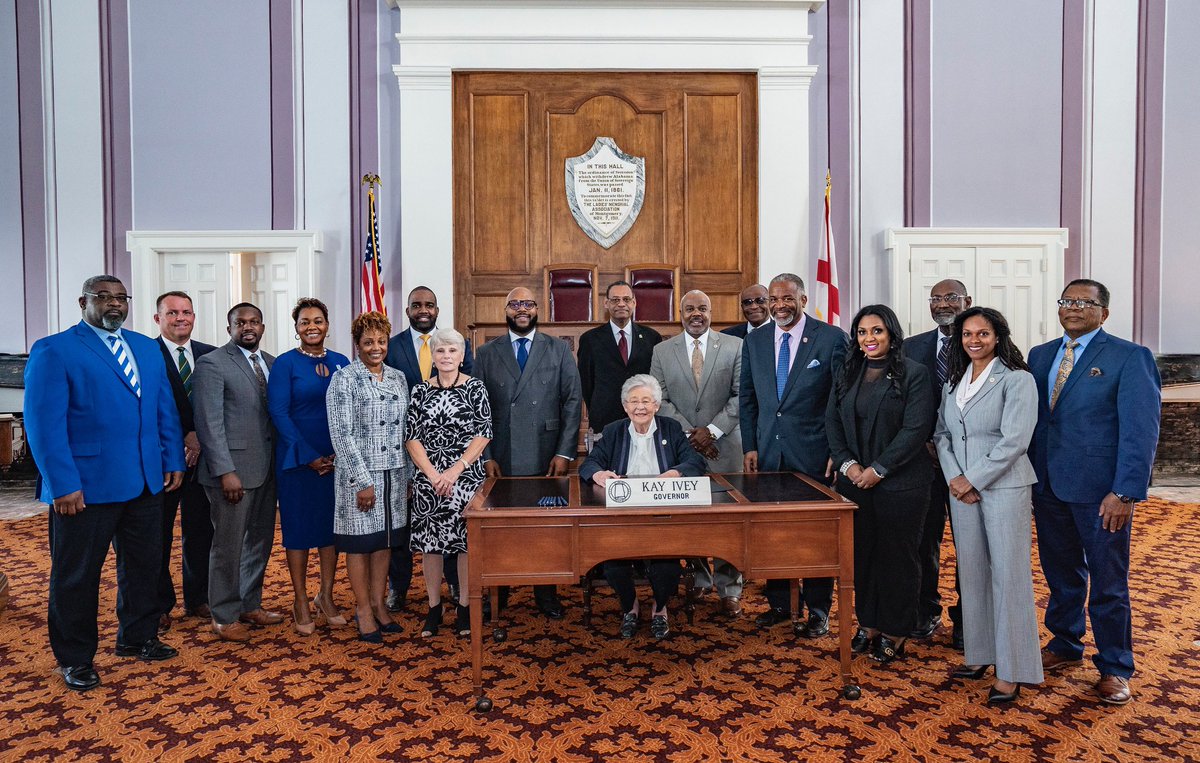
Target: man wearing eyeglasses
(754,310)
(612,353)
(533,387)
(102,427)
(947,299)
(1099,401)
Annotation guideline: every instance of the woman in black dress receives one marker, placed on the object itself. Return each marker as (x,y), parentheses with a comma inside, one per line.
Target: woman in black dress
(449,424)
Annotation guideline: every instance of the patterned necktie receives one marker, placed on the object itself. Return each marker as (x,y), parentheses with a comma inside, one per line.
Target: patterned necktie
(623,346)
(425,358)
(522,352)
(943,361)
(782,367)
(262,378)
(118,350)
(185,371)
(1064,370)
(697,362)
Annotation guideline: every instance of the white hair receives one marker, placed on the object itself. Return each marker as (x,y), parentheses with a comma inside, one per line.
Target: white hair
(443,337)
(642,380)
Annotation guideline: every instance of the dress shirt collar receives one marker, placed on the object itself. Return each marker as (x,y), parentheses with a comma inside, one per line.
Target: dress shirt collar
(616,332)
(104,334)
(689,339)
(1083,341)
(513,337)
(796,332)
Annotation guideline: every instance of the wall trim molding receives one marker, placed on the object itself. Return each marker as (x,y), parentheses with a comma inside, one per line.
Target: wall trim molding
(786,77)
(810,5)
(422,77)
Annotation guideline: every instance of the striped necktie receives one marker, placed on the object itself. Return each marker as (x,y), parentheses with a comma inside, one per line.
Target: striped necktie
(185,371)
(783,366)
(117,348)
(943,361)
(1064,370)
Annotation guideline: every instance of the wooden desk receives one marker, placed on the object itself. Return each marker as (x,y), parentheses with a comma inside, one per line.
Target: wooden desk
(768,525)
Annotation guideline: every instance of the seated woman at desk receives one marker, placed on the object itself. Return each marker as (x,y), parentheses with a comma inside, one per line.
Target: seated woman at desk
(642,445)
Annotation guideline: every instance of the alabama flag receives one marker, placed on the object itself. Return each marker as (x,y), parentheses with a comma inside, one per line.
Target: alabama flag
(828,306)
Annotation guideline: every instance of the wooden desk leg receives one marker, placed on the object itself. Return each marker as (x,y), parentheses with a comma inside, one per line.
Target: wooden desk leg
(845,594)
(475,600)
(794,598)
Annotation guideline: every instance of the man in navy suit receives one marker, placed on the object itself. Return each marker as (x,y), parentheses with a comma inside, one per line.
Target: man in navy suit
(947,299)
(103,429)
(176,319)
(409,353)
(1099,401)
(612,353)
(787,375)
(754,310)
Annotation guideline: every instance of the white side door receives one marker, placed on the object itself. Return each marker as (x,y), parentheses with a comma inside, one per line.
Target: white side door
(205,277)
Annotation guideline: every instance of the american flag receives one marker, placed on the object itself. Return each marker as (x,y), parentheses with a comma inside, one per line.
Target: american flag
(372,269)
(828,307)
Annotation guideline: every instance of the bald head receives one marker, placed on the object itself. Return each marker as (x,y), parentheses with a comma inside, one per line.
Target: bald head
(947,299)
(520,311)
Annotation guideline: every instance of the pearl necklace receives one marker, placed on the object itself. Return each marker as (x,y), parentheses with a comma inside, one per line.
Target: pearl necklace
(312,354)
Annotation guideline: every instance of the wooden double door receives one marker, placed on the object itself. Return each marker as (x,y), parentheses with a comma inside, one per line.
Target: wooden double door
(514,131)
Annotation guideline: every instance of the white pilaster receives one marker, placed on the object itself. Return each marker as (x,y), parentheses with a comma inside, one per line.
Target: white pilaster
(783,173)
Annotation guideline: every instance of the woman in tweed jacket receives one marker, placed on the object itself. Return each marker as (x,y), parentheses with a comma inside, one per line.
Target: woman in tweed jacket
(368,407)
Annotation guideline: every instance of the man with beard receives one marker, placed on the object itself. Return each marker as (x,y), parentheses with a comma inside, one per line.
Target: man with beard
(534,390)
(409,353)
(787,375)
(236,456)
(176,320)
(699,372)
(610,354)
(754,310)
(102,427)
(947,299)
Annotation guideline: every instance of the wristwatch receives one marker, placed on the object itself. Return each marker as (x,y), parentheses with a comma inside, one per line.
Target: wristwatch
(1125,498)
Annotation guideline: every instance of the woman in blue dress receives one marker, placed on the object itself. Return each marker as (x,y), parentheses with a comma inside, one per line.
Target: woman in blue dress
(304,459)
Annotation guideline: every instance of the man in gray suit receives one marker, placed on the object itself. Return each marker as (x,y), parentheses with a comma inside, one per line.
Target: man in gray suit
(230,397)
(699,372)
(533,386)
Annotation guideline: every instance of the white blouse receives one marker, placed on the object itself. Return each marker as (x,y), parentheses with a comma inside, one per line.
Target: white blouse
(642,459)
(966,388)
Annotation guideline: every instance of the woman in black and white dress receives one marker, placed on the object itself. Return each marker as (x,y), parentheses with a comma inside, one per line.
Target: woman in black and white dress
(449,424)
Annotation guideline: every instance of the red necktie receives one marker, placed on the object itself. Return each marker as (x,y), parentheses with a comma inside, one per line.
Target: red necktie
(623,346)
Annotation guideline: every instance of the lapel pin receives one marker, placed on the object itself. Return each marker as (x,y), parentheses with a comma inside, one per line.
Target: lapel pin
(1095,372)
(992,380)
(804,340)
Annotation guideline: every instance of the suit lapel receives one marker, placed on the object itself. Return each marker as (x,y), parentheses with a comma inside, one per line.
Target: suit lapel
(410,355)
(508,358)
(171,357)
(240,360)
(802,354)
(710,361)
(537,348)
(610,344)
(993,381)
(683,354)
(97,345)
(1089,355)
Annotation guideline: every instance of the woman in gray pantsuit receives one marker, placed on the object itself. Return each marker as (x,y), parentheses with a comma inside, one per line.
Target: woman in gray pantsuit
(986,420)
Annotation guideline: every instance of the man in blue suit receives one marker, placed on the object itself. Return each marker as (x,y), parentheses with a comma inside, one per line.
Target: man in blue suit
(1099,401)
(409,353)
(103,430)
(787,375)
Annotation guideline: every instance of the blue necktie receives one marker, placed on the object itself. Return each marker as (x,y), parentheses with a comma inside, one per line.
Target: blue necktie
(118,350)
(522,352)
(781,368)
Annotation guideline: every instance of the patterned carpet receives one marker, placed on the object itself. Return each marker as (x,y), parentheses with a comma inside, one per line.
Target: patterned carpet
(717,691)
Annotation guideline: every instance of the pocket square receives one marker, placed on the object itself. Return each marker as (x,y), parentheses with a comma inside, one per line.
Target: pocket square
(1095,372)
(813,363)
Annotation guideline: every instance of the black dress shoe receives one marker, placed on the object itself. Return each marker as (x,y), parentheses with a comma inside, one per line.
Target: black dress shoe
(629,624)
(973,672)
(817,625)
(396,602)
(80,677)
(151,650)
(926,627)
(551,609)
(773,616)
(956,638)
(660,628)
(861,641)
(997,697)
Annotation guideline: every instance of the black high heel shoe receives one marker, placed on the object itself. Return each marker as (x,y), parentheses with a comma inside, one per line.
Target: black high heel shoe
(973,672)
(997,697)
(887,650)
(462,620)
(861,641)
(432,621)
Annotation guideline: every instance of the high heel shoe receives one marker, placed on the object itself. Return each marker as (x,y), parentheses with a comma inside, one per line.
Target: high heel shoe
(861,642)
(887,650)
(327,612)
(432,621)
(973,672)
(304,629)
(462,620)
(997,697)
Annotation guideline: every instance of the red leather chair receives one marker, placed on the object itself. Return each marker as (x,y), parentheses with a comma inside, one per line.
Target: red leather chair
(655,286)
(570,290)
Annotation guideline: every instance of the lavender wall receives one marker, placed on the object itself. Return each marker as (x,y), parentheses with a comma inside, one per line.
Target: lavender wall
(389,163)
(1181,181)
(818,148)
(200,77)
(995,107)
(11,244)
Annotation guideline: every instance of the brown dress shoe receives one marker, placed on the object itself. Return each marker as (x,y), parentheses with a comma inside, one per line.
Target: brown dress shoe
(1052,661)
(1113,690)
(261,616)
(201,611)
(731,605)
(231,632)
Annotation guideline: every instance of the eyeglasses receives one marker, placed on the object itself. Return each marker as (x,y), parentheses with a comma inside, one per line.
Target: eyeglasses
(521,304)
(754,301)
(949,299)
(104,296)
(1078,304)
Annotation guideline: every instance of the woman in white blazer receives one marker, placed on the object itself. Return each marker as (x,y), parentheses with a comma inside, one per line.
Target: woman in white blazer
(985,422)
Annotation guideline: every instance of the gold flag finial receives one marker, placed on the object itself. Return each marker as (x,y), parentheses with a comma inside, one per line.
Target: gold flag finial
(371,180)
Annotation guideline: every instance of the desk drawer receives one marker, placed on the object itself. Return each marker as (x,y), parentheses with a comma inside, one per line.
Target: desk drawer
(796,545)
(638,538)
(537,548)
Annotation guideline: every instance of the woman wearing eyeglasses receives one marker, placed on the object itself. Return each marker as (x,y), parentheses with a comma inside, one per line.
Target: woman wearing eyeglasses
(988,412)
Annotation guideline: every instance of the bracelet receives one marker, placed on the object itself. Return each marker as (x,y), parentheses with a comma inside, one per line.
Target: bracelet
(845,467)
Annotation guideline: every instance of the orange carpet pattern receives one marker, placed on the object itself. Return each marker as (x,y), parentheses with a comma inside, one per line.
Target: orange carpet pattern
(715,691)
